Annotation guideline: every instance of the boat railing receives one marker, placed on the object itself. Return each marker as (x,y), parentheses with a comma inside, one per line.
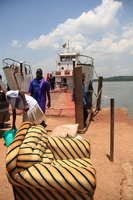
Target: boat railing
(15,66)
(10,61)
(62,73)
(18,74)
(81,59)
(85,60)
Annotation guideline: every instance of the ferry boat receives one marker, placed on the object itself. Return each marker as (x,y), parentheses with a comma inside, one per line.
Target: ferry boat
(63,75)
(18,74)
(68,59)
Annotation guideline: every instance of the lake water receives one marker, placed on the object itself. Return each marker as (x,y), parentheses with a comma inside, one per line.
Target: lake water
(121,92)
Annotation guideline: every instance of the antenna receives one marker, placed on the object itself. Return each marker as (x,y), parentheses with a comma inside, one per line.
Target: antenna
(68,47)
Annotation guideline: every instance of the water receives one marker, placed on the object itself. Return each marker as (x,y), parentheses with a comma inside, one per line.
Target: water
(121,92)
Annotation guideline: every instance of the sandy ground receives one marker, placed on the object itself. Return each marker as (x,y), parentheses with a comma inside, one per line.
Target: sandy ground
(114,179)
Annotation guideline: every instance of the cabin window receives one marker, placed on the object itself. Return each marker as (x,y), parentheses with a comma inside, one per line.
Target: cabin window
(63,58)
(67,58)
(73,57)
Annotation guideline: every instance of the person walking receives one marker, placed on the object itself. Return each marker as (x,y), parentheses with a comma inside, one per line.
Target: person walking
(52,81)
(31,110)
(39,89)
(85,111)
(84,100)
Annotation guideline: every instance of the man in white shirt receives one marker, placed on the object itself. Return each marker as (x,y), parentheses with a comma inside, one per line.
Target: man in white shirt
(31,110)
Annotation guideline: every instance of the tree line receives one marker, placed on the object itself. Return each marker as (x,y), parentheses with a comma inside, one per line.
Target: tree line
(117,78)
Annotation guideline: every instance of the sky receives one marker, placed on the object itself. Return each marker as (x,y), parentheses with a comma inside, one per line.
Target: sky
(33,31)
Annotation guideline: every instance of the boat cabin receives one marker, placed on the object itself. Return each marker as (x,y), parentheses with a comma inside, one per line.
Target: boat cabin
(65,66)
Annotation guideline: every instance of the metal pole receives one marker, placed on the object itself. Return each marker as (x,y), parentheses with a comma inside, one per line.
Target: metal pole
(112,130)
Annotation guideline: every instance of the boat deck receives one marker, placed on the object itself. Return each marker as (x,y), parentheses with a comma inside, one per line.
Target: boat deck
(61,104)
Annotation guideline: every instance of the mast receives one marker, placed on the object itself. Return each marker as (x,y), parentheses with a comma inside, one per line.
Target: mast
(68,47)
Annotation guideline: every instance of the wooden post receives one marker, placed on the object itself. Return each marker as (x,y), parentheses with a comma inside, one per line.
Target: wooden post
(112,130)
(79,117)
(100,81)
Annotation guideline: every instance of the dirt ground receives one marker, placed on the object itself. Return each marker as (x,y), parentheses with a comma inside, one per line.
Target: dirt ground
(114,179)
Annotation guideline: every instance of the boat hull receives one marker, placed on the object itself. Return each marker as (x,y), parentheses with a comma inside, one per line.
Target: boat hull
(88,71)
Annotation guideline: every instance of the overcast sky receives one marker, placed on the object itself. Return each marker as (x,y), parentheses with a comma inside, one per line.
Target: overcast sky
(35,30)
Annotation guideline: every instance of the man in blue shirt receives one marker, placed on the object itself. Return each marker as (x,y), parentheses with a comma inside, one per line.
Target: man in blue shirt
(84,100)
(39,90)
